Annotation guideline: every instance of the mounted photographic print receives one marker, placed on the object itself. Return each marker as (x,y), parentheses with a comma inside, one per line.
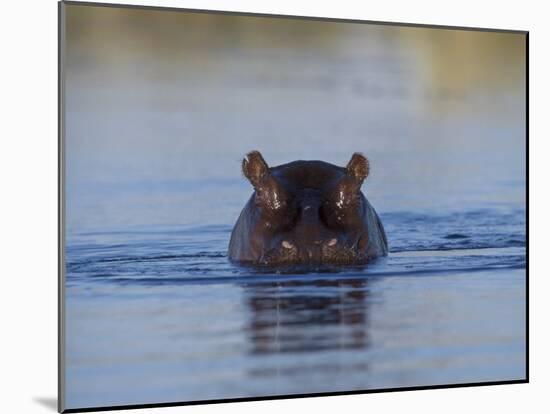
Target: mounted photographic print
(259,206)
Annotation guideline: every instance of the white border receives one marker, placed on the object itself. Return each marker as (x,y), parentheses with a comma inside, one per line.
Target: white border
(29,206)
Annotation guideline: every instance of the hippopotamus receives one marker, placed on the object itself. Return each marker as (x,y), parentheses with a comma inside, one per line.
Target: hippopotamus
(307,212)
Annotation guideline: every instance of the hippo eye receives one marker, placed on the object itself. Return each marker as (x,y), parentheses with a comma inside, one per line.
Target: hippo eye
(277,201)
(341,206)
(343,199)
(272,198)
(277,206)
(271,195)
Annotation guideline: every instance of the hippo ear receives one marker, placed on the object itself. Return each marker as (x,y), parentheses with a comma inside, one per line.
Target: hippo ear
(358,167)
(254,167)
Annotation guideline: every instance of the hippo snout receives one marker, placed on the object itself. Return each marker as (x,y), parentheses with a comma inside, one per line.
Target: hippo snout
(317,252)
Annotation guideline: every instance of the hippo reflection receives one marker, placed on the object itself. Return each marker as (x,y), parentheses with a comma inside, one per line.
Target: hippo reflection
(307,316)
(307,212)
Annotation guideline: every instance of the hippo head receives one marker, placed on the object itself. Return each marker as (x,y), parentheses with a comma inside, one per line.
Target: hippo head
(309,212)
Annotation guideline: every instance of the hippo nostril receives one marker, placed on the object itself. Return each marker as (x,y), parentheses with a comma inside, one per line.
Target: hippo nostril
(332,242)
(287,245)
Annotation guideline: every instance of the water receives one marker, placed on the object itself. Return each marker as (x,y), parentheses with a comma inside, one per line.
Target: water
(161,315)
(157,123)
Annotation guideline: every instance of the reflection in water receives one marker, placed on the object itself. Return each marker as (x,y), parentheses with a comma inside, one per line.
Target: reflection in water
(307,316)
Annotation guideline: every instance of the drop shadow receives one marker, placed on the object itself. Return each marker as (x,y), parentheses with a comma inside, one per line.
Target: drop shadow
(48,402)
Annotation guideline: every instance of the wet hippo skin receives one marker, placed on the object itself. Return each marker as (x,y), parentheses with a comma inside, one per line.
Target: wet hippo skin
(307,212)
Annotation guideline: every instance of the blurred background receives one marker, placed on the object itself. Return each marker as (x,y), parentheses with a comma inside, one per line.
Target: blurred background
(161,107)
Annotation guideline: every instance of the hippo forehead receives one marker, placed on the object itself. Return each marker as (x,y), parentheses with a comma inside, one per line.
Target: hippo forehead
(300,175)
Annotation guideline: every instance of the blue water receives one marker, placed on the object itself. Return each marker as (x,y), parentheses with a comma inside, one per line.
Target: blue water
(154,139)
(476,240)
(161,315)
